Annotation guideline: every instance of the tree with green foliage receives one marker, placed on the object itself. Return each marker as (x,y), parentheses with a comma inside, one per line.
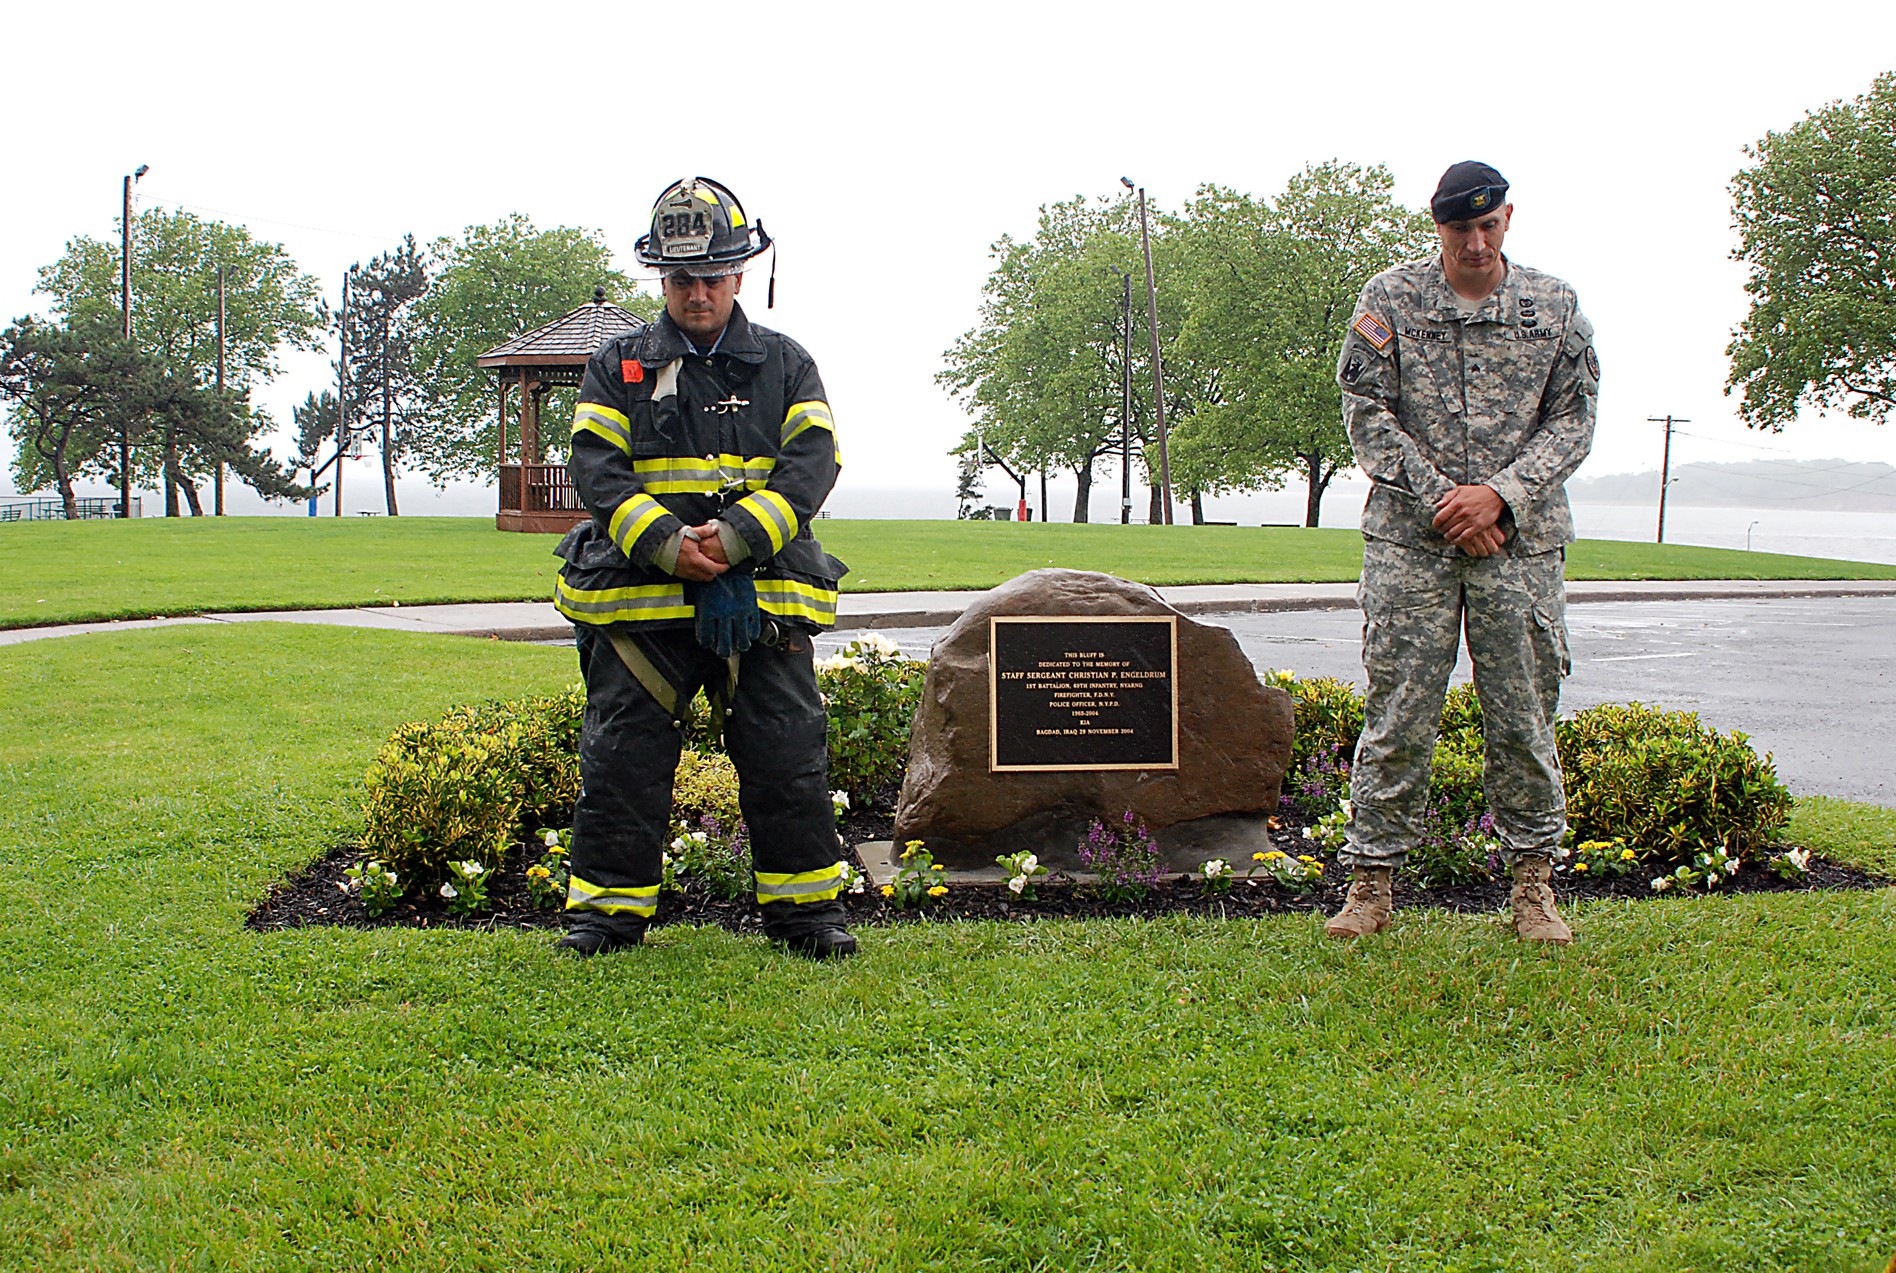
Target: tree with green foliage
(1816,217)
(1041,369)
(315,419)
(1271,286)
(382,337)
(269,305)
(70,388)
(494,283)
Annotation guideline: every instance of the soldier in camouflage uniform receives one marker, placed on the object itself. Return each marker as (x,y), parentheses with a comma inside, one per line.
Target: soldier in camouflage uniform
(1469,386)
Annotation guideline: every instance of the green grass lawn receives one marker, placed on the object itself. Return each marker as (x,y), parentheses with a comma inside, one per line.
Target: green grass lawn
(1697,1083)
(65,572)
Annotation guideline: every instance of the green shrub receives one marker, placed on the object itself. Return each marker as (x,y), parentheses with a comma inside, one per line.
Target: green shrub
(439,794)
(1660,781)
(871,692)
(1329,717)
(1455,776)
(706,784)
(1667,784)
(542,736)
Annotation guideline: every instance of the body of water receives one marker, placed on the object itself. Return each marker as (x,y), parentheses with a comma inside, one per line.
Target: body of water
(1851,536)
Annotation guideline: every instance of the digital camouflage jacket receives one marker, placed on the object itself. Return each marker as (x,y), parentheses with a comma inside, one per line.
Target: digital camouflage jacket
(1505,398)
(664,438)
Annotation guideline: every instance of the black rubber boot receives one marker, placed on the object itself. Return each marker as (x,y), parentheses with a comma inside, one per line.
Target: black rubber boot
(829,942)
(589,939)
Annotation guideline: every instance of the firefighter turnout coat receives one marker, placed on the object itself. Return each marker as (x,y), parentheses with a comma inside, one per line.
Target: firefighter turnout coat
(663,439)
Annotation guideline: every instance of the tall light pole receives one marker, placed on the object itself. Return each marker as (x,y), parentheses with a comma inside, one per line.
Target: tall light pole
(342,386)
(1125,399)
(1158,372)
(125,306)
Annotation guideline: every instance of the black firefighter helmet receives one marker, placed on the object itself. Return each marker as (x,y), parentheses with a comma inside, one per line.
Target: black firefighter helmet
(699,227)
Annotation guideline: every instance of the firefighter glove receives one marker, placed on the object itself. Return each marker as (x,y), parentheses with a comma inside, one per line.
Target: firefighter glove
(726,613)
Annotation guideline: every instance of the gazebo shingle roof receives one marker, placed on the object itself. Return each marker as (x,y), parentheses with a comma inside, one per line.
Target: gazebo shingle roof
(566,341)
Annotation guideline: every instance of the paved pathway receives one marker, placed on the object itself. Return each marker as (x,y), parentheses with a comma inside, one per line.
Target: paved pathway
(539,621)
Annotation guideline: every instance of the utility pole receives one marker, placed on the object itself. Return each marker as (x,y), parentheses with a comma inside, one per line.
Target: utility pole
(125,307)
(1158,373)
(220,376)
(1125,399)
(1665,468)
(388,468)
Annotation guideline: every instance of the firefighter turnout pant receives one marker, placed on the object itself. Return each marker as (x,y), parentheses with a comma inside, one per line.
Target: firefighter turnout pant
(775,732)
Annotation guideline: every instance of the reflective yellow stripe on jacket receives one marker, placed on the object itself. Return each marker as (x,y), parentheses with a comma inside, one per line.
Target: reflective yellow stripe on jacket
(806,415)
(581,895)
(686,474)
(785,598)
(630,519)
(611,425)
(774,514)
(804,886)
(621,605)
(791,599)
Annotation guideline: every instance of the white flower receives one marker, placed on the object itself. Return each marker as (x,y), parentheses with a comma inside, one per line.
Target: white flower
(1661,884)
(1030,864)
(390,877)
(1799,858)
(449,891)
(551,839)
(1018,883)
(876,643)
(1309,834)
(1217,868)
(471,870)
(840,799)
(1347,814)
(1731,868)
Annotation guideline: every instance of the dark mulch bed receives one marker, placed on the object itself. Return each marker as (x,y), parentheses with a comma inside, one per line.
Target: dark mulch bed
(313,895)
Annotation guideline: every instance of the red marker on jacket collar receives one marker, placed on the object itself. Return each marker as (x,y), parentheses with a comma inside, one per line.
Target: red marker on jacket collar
(632,369)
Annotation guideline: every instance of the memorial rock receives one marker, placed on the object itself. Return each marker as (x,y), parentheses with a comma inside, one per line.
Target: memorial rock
(1233,740)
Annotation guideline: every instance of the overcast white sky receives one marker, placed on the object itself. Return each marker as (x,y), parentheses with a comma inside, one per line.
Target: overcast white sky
(887,146)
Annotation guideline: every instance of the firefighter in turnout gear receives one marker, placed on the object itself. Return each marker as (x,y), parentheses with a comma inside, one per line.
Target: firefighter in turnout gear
(703,448)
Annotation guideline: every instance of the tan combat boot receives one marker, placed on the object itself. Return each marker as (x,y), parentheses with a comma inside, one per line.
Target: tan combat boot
(1369,905)
(1532,898)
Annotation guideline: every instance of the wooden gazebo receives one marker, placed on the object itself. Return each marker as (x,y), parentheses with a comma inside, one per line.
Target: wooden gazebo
(535,495)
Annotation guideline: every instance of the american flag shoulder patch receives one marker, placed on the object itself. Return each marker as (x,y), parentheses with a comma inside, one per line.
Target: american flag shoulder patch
(1371,329)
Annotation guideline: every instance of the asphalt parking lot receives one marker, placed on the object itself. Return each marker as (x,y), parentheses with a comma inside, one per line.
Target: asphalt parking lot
(1812,680)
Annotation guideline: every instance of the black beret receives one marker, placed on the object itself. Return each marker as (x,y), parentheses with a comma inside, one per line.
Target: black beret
(1468,190)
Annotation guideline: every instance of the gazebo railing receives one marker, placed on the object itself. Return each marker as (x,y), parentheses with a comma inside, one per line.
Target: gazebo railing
(537,488)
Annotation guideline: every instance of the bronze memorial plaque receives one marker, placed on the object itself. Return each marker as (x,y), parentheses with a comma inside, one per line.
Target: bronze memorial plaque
(1083,693)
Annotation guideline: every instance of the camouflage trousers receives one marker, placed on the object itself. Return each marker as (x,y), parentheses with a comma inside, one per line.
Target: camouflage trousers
(1416,606)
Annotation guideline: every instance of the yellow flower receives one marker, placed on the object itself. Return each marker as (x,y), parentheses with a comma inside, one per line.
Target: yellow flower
(1260,857)
(1272,856)
(1305,857)
(888,890)
(938,891)
(1627,855)
(936,866)
(1579,868)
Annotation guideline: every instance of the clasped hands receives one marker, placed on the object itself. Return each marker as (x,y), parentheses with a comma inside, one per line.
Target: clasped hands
(1469,517)
(701,554)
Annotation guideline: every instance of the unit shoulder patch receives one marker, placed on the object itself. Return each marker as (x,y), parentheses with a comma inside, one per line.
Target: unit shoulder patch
(631,370)
(1371,329)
